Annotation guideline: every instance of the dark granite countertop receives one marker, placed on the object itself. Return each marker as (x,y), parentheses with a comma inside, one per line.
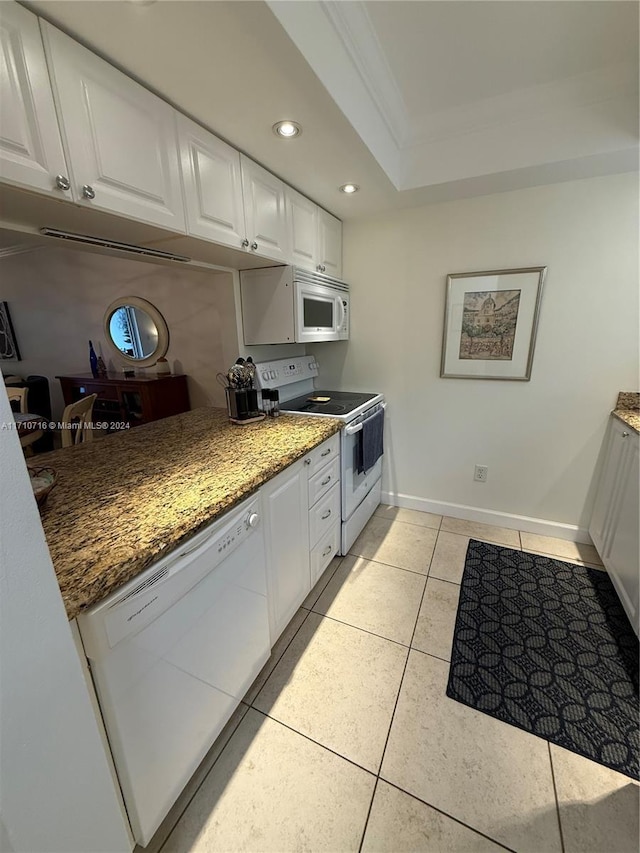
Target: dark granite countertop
(126,500)
(628,409)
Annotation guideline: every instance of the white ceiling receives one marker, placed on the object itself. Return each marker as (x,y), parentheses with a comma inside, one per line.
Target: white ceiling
(413,101)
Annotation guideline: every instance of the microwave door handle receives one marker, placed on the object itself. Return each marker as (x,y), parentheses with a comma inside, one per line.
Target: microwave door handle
(342,312)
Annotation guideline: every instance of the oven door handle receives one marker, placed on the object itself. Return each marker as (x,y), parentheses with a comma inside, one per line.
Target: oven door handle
(352,430)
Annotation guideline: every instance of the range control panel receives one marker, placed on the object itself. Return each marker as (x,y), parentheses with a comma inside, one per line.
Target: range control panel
(284,371)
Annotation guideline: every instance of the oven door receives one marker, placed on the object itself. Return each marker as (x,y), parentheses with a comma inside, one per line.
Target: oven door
(320,313)
(355,486)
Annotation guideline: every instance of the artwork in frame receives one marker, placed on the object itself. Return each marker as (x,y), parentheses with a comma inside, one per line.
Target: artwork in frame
(8,346)
(490,324)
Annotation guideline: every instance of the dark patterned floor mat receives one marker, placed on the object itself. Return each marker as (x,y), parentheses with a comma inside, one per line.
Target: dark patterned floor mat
(546,646)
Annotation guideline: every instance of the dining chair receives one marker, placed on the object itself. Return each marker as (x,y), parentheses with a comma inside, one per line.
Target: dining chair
(76,420)
(21,396)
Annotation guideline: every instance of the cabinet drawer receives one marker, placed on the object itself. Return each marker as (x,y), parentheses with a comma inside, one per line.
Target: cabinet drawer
(325,452)
(324,514)
(324,480)
(324,552)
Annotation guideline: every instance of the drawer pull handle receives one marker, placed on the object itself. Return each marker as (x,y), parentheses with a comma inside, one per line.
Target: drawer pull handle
(326,452)
(328,480)
(326,515)
(625,434)
(307,462)
(327,551)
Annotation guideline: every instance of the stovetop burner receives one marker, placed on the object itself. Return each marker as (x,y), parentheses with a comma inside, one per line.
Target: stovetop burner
(339,403)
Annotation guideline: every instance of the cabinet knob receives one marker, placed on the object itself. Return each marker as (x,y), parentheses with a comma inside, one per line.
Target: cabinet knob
(625,434)
(245,243)
(254,246)
(62,182)
(321,268)
(307,462)
(88,192)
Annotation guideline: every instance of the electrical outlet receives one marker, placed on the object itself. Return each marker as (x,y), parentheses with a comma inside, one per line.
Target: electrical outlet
(480,473)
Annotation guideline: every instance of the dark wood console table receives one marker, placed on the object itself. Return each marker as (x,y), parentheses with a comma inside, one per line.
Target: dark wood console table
(137,400)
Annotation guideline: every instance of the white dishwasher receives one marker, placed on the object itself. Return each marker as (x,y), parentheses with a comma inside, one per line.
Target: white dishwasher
(173,652)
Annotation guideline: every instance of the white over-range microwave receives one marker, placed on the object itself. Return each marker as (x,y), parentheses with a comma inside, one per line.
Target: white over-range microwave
(286,305)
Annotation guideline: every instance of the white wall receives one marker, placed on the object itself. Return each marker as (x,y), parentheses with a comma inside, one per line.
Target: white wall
(56,794)
(57,299)
(541,439)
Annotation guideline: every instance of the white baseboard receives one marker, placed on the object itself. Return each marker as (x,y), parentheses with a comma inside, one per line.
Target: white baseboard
(489,516)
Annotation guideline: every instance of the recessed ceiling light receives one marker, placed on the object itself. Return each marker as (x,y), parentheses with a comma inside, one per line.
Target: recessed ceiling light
(349,188)
(287,129)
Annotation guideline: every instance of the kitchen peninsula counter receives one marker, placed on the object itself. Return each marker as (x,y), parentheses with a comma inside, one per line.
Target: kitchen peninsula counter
(124,501)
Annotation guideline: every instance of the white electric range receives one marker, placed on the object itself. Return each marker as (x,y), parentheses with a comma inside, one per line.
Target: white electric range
(294,380)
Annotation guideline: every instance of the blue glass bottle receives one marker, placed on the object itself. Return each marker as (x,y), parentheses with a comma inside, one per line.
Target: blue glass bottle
(93,361)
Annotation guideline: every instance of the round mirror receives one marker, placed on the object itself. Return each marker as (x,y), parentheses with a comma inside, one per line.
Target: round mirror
(136,330)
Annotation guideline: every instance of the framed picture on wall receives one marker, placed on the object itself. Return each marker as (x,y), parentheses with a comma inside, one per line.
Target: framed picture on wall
(490,324)
(8,345)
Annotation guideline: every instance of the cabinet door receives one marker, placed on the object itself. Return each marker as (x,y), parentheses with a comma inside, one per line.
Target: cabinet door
(623,558)
(120,139)
(600,524)
(302,216)
(31,152)
(265,211)
(287,542)
(329,244)
(212,185)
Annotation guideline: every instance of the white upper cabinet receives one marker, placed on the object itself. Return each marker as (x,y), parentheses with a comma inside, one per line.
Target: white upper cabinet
(329,244)
(120,139)
(303,229)
(265,211)
(212,185)
(31,153)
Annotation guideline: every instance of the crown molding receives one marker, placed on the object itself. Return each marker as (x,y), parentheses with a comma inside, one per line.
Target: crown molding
(353,26)
(326,47)
(546,100)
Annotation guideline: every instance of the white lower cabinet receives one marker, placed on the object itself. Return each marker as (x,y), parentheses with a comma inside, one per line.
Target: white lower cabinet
(615,524)
(301,508)
(324,505)
(286,529)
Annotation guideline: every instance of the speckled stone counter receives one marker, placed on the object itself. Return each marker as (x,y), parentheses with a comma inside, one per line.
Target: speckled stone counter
(628,409)
(123,501)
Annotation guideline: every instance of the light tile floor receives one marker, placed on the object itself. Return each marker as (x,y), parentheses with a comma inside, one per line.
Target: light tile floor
(348,742)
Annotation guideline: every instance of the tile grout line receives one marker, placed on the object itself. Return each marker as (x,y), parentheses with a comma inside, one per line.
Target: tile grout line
(342,557)
(366,822)
(359,628)
(447,815)
(206,776)
(316,742)
(295,634)
(390,565)
(406,663)
(555,794)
